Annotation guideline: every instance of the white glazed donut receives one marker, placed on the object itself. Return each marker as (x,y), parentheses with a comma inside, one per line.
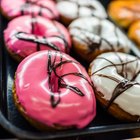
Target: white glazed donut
(72,9)
(92,36)
(116,79)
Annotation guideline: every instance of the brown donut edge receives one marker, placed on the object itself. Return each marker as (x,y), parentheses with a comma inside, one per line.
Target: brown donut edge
(82,50)
(15,56)
(38,125)
(65,20)
(5,15)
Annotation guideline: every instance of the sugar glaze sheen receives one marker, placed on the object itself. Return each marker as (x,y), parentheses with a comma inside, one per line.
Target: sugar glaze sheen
(116,78)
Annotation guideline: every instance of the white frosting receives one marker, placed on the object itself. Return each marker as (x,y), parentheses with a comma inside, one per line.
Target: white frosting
(70,8)
(97,30)
(129,100)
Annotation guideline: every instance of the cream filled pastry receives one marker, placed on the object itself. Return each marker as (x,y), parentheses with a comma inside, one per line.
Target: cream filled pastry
(45,8)
(116,79)
(72,9)
(92,36)
(53,90)
(28,34)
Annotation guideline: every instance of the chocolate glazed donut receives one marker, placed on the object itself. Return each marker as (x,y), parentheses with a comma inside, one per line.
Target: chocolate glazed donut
(116,79)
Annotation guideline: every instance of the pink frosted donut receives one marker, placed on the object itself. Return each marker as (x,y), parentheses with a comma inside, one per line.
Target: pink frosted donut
(15,8)
(55,90)
(28,34)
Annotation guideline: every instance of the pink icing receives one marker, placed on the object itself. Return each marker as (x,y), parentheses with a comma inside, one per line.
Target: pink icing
(51,30)
(14,9)
(34,94)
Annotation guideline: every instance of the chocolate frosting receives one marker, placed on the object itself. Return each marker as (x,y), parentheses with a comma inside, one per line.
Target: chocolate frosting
(52,68)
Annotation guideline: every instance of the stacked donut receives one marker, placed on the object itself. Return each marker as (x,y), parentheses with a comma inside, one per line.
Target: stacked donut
(127,15)
(52,90)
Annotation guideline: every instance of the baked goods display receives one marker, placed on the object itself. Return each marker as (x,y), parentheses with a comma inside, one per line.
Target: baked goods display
(43,8)
(28,34)
(51,89)
(72,9)
(116,79)
(54,90)
(97,36)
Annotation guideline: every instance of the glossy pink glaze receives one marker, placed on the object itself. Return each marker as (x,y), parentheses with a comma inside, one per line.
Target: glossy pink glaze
(32,89)
(42,28)
(13,8)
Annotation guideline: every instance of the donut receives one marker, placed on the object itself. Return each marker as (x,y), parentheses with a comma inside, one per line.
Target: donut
(43,8)
(73,9)
(116,80)
(28,34)
(134,32)
(92,36)
(52,90)
(124,13)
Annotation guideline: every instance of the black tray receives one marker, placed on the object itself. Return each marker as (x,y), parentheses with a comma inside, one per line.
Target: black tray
(12,121)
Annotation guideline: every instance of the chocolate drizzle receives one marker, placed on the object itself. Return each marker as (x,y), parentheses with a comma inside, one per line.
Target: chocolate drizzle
(116,34)
(34,39)
(120,88)
(94,38)
(27,6)
(90,41)
(123,85)
(52,69)
(88,5)
(41,40)
(61,36)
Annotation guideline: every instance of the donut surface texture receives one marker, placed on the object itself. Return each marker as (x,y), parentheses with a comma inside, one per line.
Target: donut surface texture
(92,36)
(28,34)
(116,79)
(73,9)
(124,13)
(53,89)
(44,8)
